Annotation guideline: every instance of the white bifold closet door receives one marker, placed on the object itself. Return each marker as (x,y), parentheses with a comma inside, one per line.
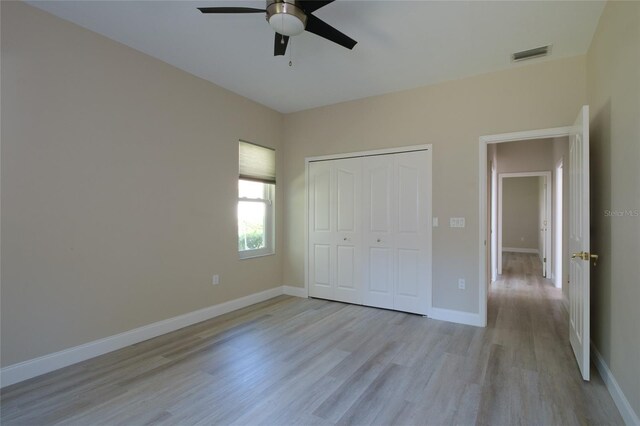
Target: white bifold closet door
(397,231)
(335,263)
(369,230)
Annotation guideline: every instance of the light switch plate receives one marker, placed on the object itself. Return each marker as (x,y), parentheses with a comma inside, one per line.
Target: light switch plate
(435,222)
(456,222)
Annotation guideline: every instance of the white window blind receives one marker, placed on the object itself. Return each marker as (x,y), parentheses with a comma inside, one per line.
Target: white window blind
(257,163)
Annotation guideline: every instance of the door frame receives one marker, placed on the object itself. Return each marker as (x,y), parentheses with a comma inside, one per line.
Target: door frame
(369,153)
(493,235)
(483,247)
(547,208)
(558,220)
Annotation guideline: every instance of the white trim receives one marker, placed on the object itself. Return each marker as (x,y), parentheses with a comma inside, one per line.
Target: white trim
(629,416)
(558,221)
(34,367)
(459,317)
(493,235)
(295,291)
(397,150)
(306,226)
(555,132)
(482,189)
(521,250)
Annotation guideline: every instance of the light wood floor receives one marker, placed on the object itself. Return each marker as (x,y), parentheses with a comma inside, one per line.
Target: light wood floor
(298,361)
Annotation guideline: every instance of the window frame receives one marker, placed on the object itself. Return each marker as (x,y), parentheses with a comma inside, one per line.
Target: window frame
(268,201)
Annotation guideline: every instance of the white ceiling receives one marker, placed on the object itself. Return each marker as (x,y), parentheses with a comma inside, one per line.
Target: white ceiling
(401,44)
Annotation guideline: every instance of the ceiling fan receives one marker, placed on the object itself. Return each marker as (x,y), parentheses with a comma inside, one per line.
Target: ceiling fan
(289,18)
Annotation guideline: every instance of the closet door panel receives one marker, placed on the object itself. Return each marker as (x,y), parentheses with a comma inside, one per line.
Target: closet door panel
(413,232)
(322,265)
(347,238)
(408,199)
(347,180)
(378,236)
(345,278)
(335,230)
(321,230)
(321,199)
(379,288)
(378,174)
(408,280)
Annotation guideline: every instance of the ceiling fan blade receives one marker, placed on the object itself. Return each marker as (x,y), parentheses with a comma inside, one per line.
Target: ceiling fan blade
(230,10)
(321,28)
(280,44)
(310,6)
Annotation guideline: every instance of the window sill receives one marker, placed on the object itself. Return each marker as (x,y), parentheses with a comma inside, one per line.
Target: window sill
(250,255)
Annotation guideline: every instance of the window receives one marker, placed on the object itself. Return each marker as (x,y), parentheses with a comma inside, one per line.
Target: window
(256,190)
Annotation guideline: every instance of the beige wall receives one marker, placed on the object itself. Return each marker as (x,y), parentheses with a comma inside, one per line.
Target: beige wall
(613,69)
(525,156)
(520,206)
(451,116)
(119,177)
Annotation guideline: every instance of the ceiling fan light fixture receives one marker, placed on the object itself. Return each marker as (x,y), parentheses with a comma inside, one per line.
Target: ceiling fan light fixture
(285,24)
(285,17)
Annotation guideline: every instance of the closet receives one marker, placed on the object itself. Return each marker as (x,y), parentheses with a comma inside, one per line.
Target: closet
(369,229)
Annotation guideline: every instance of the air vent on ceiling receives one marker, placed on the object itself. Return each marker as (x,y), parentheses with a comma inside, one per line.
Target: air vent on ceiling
(531,53)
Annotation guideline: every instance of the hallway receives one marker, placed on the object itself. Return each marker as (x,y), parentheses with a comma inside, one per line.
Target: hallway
(539,381)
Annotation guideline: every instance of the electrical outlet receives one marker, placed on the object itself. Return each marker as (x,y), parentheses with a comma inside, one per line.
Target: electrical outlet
(462,284)
(215,280)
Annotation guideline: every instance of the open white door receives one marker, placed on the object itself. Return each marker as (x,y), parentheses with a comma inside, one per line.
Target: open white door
(579,244)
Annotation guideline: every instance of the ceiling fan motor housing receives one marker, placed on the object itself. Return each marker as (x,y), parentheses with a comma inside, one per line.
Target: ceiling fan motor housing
(285,17)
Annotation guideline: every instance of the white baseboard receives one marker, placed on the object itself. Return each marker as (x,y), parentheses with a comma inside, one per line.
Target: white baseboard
(34,367)
(295,291)
(459,317)
(520,250)
(629,416)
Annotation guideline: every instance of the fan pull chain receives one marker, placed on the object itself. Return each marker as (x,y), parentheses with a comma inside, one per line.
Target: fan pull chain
(290,51)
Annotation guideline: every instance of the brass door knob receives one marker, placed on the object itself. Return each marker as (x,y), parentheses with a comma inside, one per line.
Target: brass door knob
(585,255)
(579,255)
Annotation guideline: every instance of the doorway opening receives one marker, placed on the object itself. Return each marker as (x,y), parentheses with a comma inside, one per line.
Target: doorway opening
(490,255)
(576,209)
(524,217)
